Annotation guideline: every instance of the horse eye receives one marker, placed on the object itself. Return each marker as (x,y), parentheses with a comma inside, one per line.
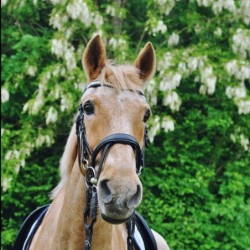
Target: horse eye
(88,108)
(147,115)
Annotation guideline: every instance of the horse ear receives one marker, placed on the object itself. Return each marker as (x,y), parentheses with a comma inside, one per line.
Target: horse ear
(94,58)
(145,62)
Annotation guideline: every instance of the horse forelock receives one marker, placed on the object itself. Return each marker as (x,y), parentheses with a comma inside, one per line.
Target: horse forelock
(121,76)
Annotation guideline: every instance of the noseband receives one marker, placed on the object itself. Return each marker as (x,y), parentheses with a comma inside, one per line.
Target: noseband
(85,153)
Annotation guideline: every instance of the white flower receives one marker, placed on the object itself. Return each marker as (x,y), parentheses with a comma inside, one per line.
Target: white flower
(154,129)
(236,92)
(229,92)
(43,139)
(12,154)
(57,20)
(74,9)
(170,81)
(172,100)
(6,183)
(197,79)
(56,70)
(245,11)
(229,5)
(8,155)
(58,47)
(243,106)
(244,142)
(56,92)
(63,71)
(192,63)
(68,32)
(167,124)
(182,68)
(198,28)
(98,21)
(176,79)
(117,43)
(153,99)
(245,72)
(203,89)
(160,27)
(17,168)
(208,79)
(165,63)
(233,138)
(211,82)
(231,67)
(38,103)
(173,40)
(26,107)
(165,5)
(31,71)
(110,10)
(51,116)
(70,60)
(206,72)
(79,10)
(5,95)
(2,131)
(240,92)
(240,70)
(204,3)
(241,43)
(113,42)
(218,32)
(3,3)
(65,102)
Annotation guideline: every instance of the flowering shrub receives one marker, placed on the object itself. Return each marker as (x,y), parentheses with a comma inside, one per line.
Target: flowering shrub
(197,178)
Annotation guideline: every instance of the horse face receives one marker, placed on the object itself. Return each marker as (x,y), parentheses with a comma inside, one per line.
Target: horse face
(116,110)
(109,112)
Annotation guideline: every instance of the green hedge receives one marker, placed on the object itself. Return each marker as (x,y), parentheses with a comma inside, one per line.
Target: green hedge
(197,179)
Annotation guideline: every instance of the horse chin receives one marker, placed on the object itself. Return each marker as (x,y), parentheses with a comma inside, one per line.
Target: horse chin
(114,220)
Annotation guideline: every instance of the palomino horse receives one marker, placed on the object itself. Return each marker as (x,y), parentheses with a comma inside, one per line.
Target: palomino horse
(109,136)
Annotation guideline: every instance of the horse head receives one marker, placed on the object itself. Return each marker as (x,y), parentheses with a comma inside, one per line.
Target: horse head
(113,106)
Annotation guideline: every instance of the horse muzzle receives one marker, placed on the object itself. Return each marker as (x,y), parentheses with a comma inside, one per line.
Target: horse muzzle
(118,199)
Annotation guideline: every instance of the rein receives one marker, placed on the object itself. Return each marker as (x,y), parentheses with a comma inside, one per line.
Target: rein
(88,170)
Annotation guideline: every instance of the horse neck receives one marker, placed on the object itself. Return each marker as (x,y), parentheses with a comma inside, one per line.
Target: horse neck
(69,199)
(70,231)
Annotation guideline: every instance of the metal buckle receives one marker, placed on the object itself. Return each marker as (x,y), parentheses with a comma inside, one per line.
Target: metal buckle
(90,177)
(87,244)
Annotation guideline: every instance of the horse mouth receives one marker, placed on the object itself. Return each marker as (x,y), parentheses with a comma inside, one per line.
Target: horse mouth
(114,221)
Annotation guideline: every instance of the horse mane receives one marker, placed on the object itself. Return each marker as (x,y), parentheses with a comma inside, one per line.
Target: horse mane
(120,77)
(67,161)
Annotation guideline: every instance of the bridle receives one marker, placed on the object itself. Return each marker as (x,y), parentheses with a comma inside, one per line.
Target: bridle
(88,170)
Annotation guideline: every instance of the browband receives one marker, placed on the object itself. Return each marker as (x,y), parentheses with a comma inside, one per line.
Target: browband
(97,84)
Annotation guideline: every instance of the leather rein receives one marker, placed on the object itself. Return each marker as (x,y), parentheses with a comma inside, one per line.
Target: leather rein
(88,170)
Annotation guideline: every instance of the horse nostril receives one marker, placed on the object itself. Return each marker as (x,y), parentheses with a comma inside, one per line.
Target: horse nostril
(135,199)
(105,192)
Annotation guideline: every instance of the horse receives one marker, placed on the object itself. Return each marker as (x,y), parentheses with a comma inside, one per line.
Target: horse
(94,203)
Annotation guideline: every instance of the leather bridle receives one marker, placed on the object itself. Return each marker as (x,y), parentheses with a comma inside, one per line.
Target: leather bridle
(88,170)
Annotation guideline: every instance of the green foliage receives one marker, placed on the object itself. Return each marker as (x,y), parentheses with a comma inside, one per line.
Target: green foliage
(197,180)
